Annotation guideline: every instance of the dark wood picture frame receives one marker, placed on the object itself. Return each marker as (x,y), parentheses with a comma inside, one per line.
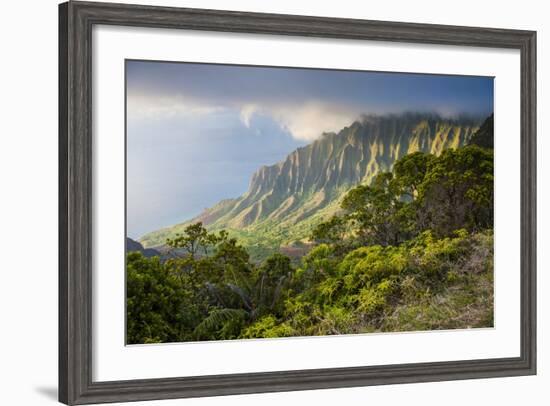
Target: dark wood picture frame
(76,20)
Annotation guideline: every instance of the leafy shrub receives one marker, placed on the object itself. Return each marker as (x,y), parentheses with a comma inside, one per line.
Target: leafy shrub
(267,327)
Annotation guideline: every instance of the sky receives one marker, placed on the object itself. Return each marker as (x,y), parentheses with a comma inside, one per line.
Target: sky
(197,132)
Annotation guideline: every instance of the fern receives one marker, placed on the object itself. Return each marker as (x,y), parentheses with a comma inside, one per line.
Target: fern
(217,319)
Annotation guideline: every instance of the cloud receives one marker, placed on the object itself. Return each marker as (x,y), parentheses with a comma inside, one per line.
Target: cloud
(247,111)
(309,121)
(306,121)
(159,107)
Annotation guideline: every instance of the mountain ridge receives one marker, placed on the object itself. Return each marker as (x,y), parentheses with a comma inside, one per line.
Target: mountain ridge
(285,199)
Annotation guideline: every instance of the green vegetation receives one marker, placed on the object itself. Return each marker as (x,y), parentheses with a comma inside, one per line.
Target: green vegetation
(411,251)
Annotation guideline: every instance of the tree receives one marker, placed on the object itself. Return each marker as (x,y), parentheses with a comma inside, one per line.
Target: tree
(159,309)
(457,191)
(196,240)
(272,280)
(423,192)
(377,211)
(409,172)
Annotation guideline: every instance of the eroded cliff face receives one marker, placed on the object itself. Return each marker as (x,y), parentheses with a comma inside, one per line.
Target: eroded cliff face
(312,176)
(312,179)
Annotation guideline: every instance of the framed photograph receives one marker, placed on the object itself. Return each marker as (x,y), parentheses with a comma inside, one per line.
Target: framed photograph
(258,203)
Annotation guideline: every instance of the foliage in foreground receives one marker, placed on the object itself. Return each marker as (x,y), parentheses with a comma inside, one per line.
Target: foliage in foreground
(412,251)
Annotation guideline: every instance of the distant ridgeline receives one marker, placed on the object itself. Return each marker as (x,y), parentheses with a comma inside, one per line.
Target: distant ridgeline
(286,200)
(134,246)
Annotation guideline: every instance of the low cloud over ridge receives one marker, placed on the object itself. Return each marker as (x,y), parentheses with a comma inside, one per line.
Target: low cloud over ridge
(303,102)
